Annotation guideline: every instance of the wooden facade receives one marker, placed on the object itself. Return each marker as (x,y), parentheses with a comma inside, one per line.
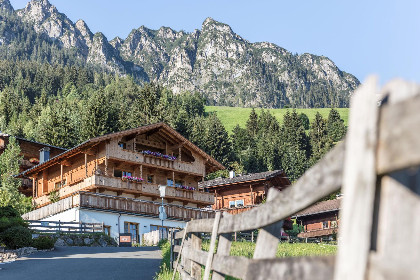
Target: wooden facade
(242,193)
(30,151)
(130,164)
(320,219)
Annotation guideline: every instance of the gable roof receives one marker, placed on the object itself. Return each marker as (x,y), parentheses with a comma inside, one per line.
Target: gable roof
(320,207)
(142,129)
(245,178)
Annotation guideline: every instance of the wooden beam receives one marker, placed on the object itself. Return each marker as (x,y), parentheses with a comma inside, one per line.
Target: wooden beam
(86,171)
(89,151)
(151,143)
(141,171)
(61,174)
(66,162)
(106,166)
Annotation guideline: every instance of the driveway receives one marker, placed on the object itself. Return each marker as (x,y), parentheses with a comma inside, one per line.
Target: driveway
(91,263)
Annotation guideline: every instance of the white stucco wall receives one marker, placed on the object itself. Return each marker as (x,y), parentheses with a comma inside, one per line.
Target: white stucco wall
(71,215)
(111,219)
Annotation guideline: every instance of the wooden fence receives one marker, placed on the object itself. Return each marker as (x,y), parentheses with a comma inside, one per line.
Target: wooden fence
(376,167)
(65,227)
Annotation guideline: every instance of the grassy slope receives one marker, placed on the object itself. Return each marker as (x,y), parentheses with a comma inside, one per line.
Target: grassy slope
(231,116)
(246,249)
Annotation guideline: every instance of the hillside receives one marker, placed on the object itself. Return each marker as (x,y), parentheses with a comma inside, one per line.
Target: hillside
(232,116)
(222,66)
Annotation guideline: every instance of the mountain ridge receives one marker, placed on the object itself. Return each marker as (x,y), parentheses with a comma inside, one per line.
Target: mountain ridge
(215,61)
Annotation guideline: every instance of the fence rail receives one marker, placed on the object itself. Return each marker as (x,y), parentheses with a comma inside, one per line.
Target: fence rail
(377,168)
(65,227)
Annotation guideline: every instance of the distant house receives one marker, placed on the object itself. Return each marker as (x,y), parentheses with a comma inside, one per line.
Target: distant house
(241,193)
(31,152)
(319,220)
(114,179)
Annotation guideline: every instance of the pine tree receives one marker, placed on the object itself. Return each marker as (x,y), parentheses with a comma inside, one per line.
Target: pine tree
(9,186)
(252,123)
(335,126)
(320,142)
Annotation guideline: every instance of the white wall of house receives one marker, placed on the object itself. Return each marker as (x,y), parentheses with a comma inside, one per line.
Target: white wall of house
(111,219)
(71,215)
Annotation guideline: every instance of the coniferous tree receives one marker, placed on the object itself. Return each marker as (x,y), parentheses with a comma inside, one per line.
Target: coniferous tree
(9,186)
(320,142)
(252,123)
(335,126)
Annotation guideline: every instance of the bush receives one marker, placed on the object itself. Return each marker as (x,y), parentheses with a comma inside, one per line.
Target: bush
(16,237)
(8,212)
(43,242)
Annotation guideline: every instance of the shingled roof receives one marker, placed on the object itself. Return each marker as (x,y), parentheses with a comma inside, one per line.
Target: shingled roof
(142,129)
(244,178)
(320,207)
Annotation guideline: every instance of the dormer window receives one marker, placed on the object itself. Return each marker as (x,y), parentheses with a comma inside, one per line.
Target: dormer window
(123,145)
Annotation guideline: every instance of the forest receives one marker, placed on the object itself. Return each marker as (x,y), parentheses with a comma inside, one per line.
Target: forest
(66,105)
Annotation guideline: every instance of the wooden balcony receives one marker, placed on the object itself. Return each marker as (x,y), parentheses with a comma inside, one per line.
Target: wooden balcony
(318,233)
(144,189)
(117,153)
(97,201)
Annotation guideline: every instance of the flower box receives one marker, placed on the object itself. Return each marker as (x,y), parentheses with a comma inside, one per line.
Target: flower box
(158,155)
(132,179)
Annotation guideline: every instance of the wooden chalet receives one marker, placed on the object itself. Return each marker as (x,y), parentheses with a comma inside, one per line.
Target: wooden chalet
(115,179)
(319,220)
(30,151)
(237,194)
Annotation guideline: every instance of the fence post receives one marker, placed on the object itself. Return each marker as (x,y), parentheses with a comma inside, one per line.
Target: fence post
(212,246)
(195,245)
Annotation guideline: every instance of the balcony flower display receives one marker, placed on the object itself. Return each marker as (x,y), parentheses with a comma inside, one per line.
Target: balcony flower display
(132,179)
(185,187)
(157,154)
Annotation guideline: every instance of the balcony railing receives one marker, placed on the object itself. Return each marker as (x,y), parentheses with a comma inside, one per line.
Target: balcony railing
(97,201)
(144,189)
(118,153)
(319,232)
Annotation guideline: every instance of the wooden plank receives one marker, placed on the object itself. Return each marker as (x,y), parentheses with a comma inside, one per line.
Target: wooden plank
(302,268)
(198,256)
(268,238)
(223,249)
(359,183)
(176,248)
(179,255)
(195,267)
(398,145)
(398,223)
(385,269)
(231,265)
(325,175)
(180,234)
(212,246)
(201,225)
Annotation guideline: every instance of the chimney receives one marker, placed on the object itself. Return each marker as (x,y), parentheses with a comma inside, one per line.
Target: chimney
(44,154)
(231,174)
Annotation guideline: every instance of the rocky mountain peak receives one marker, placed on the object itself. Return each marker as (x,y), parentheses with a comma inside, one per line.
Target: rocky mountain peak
(210,24)
(116,42)
(38,10)
(6,7)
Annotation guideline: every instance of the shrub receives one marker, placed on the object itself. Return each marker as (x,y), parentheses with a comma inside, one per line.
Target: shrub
(9,212)
(16,237)
(43,242)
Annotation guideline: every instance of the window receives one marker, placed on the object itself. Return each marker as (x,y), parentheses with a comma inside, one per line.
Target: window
(325,224)
(107,230)
(178,183)
(132,228)
(333,224)
(163,231)
(150,179)
(231,204)
(169,182)
(125,173)
(239,203)
(117,173)
(59,184)
(122,145)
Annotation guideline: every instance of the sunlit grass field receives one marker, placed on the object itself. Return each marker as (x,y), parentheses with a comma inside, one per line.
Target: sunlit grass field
(246,249)
(231,116)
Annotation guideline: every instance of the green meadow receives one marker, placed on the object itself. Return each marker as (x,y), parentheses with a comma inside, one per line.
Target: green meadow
(231,116)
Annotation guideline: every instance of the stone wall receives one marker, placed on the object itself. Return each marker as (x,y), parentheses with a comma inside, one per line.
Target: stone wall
(89,240)
(11,255)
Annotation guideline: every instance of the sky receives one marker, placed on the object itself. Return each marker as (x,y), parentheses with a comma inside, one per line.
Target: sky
(361,37)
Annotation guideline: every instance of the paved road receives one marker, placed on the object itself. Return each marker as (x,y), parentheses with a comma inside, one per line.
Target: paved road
(90,263)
